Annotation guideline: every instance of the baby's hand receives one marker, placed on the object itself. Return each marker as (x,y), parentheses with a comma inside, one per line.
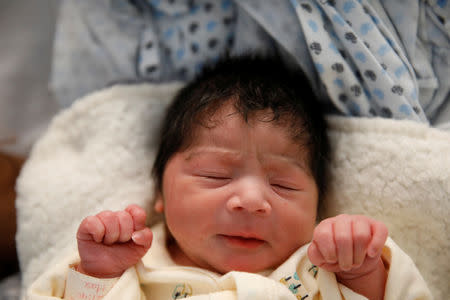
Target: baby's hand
(348,245)
(111,242)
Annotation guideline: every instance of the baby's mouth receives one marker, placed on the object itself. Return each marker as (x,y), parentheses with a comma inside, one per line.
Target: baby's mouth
(236,241)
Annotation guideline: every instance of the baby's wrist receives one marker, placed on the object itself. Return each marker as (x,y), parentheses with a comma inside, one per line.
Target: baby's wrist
(79,268)
(378,268)
(87,287)
(370,284)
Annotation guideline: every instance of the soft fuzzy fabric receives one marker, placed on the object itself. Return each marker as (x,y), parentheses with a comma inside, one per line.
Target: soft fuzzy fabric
(97,155)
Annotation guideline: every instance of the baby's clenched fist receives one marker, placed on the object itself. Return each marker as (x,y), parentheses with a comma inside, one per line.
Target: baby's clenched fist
(348,245)
(111,242)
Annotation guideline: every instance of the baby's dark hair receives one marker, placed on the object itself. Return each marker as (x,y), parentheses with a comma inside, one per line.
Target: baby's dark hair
(252,84)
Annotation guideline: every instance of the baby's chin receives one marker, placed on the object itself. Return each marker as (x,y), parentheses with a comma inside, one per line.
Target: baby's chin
(229,265)
(250,266)
(225,262)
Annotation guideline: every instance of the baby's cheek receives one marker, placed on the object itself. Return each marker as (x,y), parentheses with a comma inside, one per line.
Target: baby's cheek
(184,217)
(297,230)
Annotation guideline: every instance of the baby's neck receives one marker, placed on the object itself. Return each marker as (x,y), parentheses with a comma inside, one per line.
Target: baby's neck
(178,256)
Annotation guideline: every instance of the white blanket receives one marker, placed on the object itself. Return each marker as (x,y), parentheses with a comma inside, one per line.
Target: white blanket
(97,155)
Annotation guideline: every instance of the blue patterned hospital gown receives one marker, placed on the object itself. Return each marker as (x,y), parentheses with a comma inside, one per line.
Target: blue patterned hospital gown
(366,57)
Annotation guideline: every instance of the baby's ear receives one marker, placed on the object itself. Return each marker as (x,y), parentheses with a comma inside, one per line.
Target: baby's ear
(159,203)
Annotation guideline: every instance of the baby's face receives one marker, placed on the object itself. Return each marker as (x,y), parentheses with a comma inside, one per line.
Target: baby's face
(240,197)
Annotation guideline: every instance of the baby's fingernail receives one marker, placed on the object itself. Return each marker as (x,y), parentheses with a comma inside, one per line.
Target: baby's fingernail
(136,236)
(331,261)
(346,268)
(372,252)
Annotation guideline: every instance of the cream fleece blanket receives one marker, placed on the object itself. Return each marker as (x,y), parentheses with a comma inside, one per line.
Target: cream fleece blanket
(97,155)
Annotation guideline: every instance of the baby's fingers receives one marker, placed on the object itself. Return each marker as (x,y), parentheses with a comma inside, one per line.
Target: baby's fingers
(143,237)
(112,227)
(126,226)
(91,228)
(138,214)
(344,242)
(361,239)
(379,236)
(314,255)
(324,241)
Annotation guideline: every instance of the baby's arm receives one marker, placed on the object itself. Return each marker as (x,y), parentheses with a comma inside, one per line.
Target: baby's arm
(111,242)
(350,246)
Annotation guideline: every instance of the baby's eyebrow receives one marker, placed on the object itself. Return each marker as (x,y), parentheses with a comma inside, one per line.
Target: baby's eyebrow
(301,164)
(224,153)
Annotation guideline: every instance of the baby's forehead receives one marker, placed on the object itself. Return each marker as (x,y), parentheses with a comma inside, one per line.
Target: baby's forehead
(229,130)
(221,115)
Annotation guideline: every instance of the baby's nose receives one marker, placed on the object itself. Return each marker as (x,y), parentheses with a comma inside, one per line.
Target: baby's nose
(251,197)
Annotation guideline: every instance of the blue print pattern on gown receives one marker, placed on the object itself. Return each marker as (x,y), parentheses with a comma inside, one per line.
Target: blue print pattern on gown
(359,61)
(185,35)
(364,70)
